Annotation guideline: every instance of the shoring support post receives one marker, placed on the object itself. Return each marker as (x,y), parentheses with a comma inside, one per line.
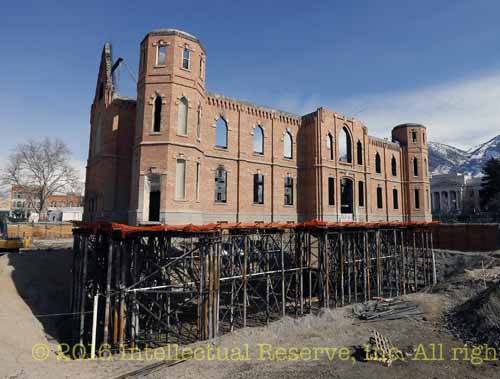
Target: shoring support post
(369,264)
(350,280)
(211,302)
(365,267)
(217,284)
(125,250)
(232,273)
(117,285)
(245,279)
(415,274)
(428,262)
(76,249)
(341,264)
(355,249)
(434,274)
(83,292)
(283,294)
(396,261)
(94,326)
(378,263)
(133,311)
(326,271)
(267,256)
(423,255)
(166,250)
(403,258)
(201,293)
(429,256)
(77,266)
(293,253)
(300,254)
(108,290)
(307,237)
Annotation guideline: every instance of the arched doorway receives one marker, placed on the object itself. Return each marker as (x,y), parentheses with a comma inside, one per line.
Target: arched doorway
(346,199)
(154,197)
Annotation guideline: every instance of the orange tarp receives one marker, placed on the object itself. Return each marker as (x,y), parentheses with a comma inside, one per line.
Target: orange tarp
(125,230)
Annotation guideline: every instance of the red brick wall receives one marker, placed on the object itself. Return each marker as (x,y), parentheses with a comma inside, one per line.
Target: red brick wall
(119,176)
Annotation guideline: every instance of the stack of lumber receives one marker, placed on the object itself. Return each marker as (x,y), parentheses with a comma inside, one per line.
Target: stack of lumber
(386,309)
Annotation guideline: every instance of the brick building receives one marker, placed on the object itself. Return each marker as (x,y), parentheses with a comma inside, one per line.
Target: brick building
(23,202)
(180,154)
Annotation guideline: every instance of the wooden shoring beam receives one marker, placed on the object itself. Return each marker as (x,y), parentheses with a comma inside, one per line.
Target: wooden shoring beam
(341,263)
(283,288)
(366,271)
(415,266)
(83,292)
(403,261)
(107,310)
(299,253)
(434,273)
(245,279)
(349,265)
(125,251)
(134,316)
(397,256)
(378,264)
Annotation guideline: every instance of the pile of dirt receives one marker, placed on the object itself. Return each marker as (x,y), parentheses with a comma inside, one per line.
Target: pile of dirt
(478,319)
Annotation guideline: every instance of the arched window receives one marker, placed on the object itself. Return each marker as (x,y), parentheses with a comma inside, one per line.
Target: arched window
(287,145)
(288,190)
(221,133)
(359,150)
(426,168)
(258,140)
(415,166)
(186,58)
(157,114)
(258,189)
(346,196)
(394,166)
(361,194)
(183,115)
(380,202)
(378,164)
(345,146)
(329,145)
(220,185)
(198,122)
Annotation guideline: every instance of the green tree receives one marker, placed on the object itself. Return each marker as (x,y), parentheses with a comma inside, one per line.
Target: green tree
(490,186)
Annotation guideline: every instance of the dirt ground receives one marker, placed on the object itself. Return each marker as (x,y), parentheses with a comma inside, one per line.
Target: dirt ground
(38,282)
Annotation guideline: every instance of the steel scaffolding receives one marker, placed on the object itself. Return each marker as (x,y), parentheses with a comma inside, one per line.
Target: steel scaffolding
(164,284)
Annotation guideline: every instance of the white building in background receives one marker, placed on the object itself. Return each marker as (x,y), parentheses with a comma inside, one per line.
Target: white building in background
(452,193)
(65,214)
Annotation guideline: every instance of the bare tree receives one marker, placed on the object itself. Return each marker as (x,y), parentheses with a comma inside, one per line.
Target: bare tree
(41,169)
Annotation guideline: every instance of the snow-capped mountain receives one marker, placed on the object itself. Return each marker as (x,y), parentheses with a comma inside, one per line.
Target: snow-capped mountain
(445,159)
(480,155)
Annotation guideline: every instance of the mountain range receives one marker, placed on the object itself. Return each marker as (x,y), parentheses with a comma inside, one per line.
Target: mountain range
(444,159)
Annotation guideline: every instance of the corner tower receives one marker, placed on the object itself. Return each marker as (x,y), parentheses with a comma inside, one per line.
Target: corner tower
(170,98)
(415,182)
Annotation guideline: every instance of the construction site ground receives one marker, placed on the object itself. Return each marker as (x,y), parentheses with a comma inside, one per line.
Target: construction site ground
(37,283)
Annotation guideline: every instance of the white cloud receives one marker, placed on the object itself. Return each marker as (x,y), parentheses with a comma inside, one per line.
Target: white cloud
(462,113)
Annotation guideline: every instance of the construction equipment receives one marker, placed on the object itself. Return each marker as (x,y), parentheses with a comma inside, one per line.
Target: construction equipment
(12,244)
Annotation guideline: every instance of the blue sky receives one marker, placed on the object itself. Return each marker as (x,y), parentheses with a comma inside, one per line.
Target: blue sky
(435,62)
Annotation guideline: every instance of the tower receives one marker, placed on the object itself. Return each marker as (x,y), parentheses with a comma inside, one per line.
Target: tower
(170,98)
(415,181)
